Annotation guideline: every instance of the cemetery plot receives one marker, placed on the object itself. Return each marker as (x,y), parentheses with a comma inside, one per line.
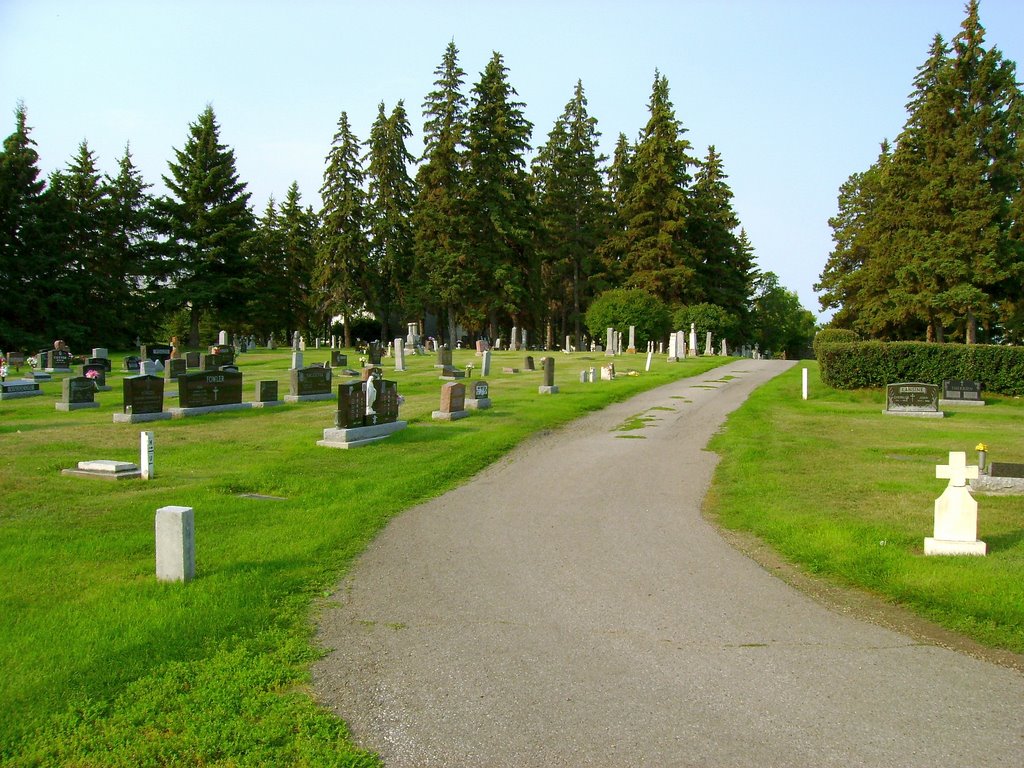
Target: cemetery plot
(367,412)
(912,399)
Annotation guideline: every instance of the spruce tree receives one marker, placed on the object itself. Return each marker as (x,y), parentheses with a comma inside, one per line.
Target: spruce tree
(298,228)
(573,214)
(499,198)
(390,199)
(657,256)
(342,260)
(207,221)
(269,307)
(450,283)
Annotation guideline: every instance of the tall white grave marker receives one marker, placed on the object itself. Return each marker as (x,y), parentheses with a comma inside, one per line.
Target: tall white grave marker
(146,455)
(693,338)
(805,383)
(956,511)
(399,355)
(175,544)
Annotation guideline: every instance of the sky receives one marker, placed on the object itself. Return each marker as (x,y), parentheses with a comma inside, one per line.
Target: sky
(795,95)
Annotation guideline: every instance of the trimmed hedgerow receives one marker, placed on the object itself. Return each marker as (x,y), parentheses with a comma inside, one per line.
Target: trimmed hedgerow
(833,336)
(847,365)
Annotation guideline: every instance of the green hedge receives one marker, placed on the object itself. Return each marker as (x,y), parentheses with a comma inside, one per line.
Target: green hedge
(853,365)
(832,336)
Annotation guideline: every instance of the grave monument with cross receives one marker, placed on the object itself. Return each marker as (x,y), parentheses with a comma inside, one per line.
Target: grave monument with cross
(956,511)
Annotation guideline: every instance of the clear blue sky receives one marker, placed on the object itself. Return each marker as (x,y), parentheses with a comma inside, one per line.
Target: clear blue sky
(795,94)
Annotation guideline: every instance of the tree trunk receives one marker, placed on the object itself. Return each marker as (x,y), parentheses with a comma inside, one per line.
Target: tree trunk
(348,330)
(451,328)
(576,304)
(972,328)
(193,330)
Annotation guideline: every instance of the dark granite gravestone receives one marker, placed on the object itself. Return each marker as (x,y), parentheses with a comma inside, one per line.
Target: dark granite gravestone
(957,389)
(174,368)
(528,363)
(159,352)
(104,361)
(386,404)
(208,388)
(193,359)
(13,389)
(1005,469)
(338,360)
(351,405)
(444,358)
(143,394)
(314,380)
(78,390)
(912,397)
(375,353)
(549,371)
(481,391)
(266,392)
(132,363)
(225,353)
(60,360)
(98,373)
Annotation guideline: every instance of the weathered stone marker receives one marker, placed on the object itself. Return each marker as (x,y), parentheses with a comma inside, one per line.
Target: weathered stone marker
(146,455)
(175,544)
(956,512)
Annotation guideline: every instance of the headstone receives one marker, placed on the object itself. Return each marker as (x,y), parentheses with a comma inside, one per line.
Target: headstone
(650,354)
(681,343)
(105,469)
(207,388)
(351,405)
(548,387)
(59,361)
(608,372)
(568,345)
(18,388)
(693,338)
(338,360)
(148,368)
(313,383)
(375,353)
(175,544)
(522,339)
(146,455)
(485,364)
(97,373)
(961,392)
(912,399)
(193,359)
(100,352)
(296,359)
(161,352)
(266,391)
(412,337)
(610,347)
(444,358)
(956,512)
(386,405)
(479,395)
(453,402)
(528,364)
(513,343)
(143,394)
(632,340)
(175,368)
(708,349)
(673,349)
(399,355)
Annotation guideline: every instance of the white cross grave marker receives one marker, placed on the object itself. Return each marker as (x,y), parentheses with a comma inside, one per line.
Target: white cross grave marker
(956,511)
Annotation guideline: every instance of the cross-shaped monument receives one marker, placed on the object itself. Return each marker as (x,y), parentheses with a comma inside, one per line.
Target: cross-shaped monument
(956,511)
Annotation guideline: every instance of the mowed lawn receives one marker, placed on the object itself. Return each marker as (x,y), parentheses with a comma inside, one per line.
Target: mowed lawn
(102,665)
(848,493)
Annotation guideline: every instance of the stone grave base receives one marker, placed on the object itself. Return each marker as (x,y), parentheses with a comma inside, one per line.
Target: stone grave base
(266,403)
(510,370)
(139,418)
(181,413)
(998,486)
(448,415)
(75,406)
(478,403)
(354,437)
(57,370)
(454,377)
(946,547)
(308,398)
(917,414)
(40,376)
(105,469)
(954,403)
(547,390)
(16,395)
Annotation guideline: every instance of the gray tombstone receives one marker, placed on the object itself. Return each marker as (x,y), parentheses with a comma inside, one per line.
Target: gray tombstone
(485,364)
(143,394)
(912,399)
(548,387)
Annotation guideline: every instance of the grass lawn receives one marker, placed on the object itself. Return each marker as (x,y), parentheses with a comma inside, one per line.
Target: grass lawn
(103,666)
(847,492)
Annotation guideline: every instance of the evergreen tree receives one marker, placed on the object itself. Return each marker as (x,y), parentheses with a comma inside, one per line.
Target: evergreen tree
(207,221)
(298,229)
(656,254)
(450,283)
(726,272)
(499,197)
(573,214)
(131,255)
(390,200)
(341,272)
(26,251)
(270,303)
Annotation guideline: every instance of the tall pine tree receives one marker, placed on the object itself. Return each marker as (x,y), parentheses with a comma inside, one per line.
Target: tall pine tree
(207,220)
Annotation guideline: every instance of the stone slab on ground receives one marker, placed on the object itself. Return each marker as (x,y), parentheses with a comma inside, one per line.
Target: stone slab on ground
(105,469)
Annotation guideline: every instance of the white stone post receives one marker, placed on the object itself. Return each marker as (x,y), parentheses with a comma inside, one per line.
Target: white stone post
(175,544)
(805,383)
(485,364)
(146,455)
(399,355)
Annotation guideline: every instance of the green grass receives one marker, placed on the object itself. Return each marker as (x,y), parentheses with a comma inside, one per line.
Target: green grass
(847,492)
(102,665)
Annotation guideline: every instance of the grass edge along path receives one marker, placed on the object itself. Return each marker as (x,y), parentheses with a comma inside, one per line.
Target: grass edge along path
(837,498)
(106,667)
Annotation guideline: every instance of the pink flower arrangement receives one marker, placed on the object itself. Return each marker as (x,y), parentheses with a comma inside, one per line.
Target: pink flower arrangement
(92,374)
